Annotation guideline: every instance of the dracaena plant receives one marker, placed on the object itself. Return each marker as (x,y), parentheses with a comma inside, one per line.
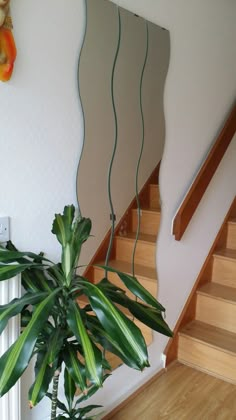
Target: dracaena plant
(59,333)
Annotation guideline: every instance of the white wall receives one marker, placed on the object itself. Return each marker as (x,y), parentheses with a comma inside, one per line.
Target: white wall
(41,134)
(41,128)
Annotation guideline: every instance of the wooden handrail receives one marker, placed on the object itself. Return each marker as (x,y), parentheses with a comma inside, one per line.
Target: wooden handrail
(204,176)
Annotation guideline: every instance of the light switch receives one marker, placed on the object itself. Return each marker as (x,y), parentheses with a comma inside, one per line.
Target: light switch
(4,229)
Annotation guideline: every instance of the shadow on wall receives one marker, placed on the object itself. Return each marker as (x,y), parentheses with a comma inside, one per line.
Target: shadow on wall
(131,40)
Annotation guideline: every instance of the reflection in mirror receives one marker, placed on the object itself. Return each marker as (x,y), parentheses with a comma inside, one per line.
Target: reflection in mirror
(122,73)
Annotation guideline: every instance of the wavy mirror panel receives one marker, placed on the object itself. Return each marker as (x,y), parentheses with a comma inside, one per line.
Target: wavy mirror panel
(115,86)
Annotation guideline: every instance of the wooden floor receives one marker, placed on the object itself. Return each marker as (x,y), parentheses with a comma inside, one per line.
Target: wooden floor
(182,393)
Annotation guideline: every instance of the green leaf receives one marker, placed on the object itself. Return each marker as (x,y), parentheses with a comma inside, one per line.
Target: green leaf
(43,378)
(44,335)
(135,287)
(26,316)
(81,232)
(120,329)
(103,338)
(15,360)
(40,278)
(75,368)
(7,256)
(90,392)
(69,387)
(16,306)
(147,315)
(107,286)
(71,234)
(9,271)
(28,282)
(62,228)
(150,317)
(84,410)
(62,225)
(92,355)
(55,344)
(56,273)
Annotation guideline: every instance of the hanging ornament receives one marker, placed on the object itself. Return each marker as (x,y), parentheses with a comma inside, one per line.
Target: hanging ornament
(7,43)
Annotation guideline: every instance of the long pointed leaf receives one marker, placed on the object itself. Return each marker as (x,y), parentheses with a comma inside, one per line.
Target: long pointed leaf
(84,410)
(75,368)
(71,234)
(28,282)
(69,387)
(62,225)
(81,232)
(7,256)
(62,228)
(120,328)
(135,287)
(103,338)
(91,391)
(43,378)
(56,273)
(55,344)
(151,318)
(15,360)
(39,276)
(11,270)
(93,357)
(16,305)
(36,280)
(147,315)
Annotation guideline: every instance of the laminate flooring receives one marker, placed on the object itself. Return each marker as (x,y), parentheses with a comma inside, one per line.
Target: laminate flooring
(182,393)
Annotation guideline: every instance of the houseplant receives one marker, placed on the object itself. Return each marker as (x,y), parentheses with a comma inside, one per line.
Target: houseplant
(58,331)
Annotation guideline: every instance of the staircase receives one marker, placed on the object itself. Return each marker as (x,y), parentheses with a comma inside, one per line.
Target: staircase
(123,245)
(208,342)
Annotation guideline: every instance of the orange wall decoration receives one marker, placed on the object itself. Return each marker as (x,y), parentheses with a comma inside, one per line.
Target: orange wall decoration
(7,43)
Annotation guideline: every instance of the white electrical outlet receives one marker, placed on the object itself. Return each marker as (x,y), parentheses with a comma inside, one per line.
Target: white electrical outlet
(163,359)
(4,229)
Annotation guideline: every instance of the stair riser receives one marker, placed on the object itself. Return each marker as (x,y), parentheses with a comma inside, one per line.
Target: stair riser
(154,197)
(224,271)
(151,286)
(231,236)
(219,313)
(149,222)
(208,359)
(145,252)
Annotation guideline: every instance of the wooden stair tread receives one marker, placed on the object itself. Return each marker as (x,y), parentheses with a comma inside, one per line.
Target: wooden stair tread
(226,253)
(149,210)
(210,335)
(232,221)
(148,273)
(143,237)
(218,291)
